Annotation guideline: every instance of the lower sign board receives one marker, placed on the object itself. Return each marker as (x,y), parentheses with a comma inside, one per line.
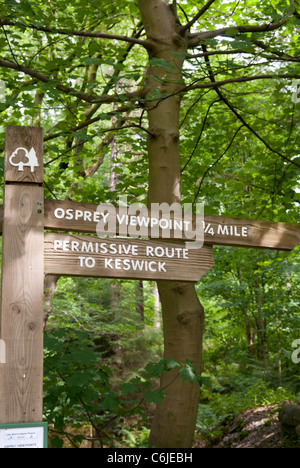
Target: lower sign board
(76,255)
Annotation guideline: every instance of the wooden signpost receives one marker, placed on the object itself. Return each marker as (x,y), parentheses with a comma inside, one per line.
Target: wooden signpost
(28,254)
(21,357)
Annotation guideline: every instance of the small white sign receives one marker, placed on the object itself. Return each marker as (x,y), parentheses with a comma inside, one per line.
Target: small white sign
(30,155)
(22,437)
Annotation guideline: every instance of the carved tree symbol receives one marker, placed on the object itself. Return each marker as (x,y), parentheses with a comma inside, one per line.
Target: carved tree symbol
(31,162)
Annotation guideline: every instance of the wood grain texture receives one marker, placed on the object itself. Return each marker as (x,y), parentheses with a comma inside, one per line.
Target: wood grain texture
(21,376)
(21,316)
(77,255)
(260,234)
(218,230)
(27,138)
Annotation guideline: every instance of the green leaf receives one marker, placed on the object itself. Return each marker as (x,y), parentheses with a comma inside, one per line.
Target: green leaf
(155,369)
(91,60)
(128,387)
(110,402)
(56,442)
(232,32)
(171,364)
(187,374)
(154,396)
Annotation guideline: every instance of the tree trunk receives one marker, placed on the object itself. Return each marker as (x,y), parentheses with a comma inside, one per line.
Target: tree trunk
(183,316)
(174,420)
(279,351)
(157,307)
(139,299)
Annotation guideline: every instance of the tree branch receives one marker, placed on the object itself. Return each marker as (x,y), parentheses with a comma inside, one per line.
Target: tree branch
(240,117)
(146,43)
(46,79)
(218,52)
(95,106)
(197,16)
(65,89)
(200,134)
(279,56)
(216,162)
(241,79)
(195,39)
(9,45)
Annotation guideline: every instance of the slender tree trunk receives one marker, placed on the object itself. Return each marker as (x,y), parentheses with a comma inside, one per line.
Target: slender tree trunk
(183,316)
(279,351)
(139,299)
(157,307)
(249,333)
(262,340)
(174,420)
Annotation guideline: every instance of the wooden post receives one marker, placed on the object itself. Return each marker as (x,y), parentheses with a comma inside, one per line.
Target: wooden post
(21,319)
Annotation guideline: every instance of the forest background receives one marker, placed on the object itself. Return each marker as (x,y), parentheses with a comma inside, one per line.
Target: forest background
(92,74)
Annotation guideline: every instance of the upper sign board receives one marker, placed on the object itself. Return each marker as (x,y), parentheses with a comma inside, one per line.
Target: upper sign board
(24,154)
(216,230)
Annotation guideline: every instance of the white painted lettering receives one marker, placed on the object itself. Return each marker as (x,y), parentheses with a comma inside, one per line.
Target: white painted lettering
(234,231)
(57,244)
(66,245)
(78,214)
(149,251)
(244,231)
(223,229)
(107,263)
(87,216)
(90,262)
(137,265)
(59,213)
(164,223)
(87,247)
(113,248)
(96,216)
(74,246)
(69,213)
(133,220)
(150,266)
(121,219)
(143,221)
(126,264)
(103,248)
(177,224)
(104,216)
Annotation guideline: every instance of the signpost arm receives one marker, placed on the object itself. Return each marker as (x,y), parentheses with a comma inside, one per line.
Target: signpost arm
(21,315)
